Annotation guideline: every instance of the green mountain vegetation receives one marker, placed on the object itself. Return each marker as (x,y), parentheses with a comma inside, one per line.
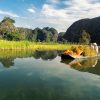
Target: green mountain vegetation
(60,38)
(84,31)
(85,38)
(9,32)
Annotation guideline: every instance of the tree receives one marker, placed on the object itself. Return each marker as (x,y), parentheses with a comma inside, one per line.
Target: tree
(8,19)
(8,30)
(25,33)
(85,37)
(60,37)
(51,34)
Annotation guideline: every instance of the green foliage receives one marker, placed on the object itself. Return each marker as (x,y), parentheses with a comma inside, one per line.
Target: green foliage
(38,35)
(10,32)
(25,33)
(85,38)
(8,19)
(60,36)
(12,36)
(43,35)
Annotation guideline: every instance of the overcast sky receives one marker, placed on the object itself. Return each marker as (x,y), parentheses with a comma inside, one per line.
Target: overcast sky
(59,14)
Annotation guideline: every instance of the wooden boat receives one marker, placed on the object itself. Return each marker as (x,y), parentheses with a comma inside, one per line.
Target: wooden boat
(69,56)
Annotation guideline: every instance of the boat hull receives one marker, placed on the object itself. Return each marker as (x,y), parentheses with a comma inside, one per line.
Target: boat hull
(66,56)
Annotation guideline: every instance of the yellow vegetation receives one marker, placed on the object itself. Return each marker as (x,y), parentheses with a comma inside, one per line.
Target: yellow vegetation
(81,50)
(26,45)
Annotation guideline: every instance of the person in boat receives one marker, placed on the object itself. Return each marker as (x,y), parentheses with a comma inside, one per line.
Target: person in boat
(92,46)
(95,47)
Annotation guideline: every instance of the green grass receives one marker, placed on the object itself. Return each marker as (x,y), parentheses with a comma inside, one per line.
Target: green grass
(26,45)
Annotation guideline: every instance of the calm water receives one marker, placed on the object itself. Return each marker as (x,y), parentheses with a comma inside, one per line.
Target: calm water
(44,76)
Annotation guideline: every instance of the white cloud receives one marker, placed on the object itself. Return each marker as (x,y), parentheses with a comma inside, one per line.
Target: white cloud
(8,13)
(59,14)
(31,10)
(72,11)
(48,10)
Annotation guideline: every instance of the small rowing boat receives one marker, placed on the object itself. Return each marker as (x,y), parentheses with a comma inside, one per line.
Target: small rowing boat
(79,52)
(69,56)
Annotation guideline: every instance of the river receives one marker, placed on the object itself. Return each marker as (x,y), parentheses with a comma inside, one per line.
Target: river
(42,75)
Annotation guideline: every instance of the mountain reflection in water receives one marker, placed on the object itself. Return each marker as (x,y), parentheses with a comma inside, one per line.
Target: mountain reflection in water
(41,75)
(91,65)
(7,58)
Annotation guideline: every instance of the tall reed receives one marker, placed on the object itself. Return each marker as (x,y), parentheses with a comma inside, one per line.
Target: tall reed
(25,45)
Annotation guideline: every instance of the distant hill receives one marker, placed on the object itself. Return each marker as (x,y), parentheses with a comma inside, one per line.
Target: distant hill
(91,26)
(10,32)
(60,38)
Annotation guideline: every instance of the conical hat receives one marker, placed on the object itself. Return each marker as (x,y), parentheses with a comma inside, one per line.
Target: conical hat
(95,44)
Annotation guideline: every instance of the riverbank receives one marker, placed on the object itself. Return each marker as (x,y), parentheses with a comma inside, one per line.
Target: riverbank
(26,45)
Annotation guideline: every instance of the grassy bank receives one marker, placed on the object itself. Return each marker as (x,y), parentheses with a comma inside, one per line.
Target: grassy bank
(26,45)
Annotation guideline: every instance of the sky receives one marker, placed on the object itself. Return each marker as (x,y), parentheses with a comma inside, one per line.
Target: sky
(59,14)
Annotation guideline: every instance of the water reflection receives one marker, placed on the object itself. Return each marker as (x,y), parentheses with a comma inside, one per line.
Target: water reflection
(86,65)
(7,58)
(7,62)
(41,79)
(45,55)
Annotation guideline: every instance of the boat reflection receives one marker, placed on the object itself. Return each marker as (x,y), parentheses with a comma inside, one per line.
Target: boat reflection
(90,65)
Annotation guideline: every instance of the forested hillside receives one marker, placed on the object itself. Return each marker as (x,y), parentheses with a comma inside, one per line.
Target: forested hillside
(84,31)
(10,32)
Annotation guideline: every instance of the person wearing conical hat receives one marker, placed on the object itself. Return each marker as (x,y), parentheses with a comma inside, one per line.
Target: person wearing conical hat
(92,46)
(96,47)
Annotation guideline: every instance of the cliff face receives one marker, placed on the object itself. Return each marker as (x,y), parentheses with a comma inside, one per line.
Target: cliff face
(92,26)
